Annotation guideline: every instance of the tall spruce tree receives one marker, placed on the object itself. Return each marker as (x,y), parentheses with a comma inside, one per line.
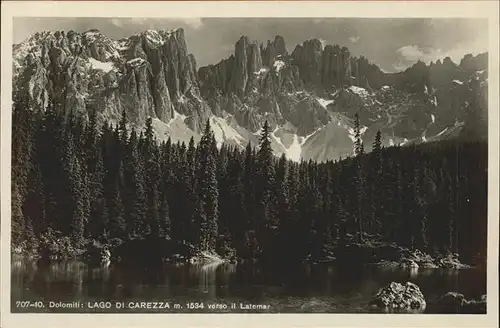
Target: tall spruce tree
(269,208)
(359,180)
(358,142)
(375,183)
(95,167)
(249,178)
(265,178)
(116,207)
(135,198)
(21,159)
(266,219)
(77,206)
(208,193)
(151,160)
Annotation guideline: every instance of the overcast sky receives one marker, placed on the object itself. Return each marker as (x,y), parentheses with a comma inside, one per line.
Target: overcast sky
(392,44)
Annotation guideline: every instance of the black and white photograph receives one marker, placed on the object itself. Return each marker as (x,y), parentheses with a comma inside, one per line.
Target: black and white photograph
(249,165)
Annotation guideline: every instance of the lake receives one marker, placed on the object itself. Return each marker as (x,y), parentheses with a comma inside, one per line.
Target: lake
(73,286)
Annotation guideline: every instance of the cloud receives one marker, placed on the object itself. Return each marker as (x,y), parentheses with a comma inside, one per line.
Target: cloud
(117,22)
(399,66)
(415,53)
(354,39)
(194,22)
(410,54)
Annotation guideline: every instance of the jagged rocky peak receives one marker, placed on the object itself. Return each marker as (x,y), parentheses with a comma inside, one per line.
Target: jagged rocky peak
(447,62)
(147,74)
(273,50)
(308,96)
(472,63)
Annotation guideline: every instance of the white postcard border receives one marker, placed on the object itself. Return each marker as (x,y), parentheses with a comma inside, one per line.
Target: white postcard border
(387,9)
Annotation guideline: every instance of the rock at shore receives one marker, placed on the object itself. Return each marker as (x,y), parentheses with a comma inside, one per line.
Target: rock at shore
(410,264)
(453,302)
(206,257)
(399,297)
(451,261)
(375,252)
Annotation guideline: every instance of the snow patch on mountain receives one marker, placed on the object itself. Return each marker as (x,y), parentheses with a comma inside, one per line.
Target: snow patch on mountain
(352,136)
(136,62)
(275,137)
(297,93)
(293,152)
(433,118)
(182,99)
(363,93)
(122,45)
(458,82)
(352,133)
(154,37)
(424,138)
(224,132)
(278,65)
(440,133)
(324,102)
(103,66)
(261,71)
(435,101)
(176,129)
(177,117)
(91,36)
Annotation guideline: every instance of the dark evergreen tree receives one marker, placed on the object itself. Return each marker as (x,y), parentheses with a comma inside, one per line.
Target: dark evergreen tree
(375,182)
(207,192)
(70,183)
(77,204)
(21,160)
(95,168)
(151,158)
(266,223)
(358,142)
(135,198)
(116,207)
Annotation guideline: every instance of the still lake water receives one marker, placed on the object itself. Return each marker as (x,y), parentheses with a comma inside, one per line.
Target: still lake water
(310,288)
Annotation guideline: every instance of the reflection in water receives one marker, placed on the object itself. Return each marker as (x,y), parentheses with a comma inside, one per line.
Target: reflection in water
(208,279)
(309,288)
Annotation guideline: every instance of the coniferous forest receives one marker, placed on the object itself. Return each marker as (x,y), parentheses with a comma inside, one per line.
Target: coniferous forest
(76,182)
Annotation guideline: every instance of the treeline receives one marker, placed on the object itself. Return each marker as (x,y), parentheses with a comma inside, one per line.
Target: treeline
(75,182)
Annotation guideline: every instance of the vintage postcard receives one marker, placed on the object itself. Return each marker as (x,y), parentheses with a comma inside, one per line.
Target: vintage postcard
(250,163)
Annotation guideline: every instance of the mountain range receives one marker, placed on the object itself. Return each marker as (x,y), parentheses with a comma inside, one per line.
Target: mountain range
(309,96)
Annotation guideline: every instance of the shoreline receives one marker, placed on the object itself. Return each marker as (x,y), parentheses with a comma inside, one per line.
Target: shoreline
(383,264)
(371,252)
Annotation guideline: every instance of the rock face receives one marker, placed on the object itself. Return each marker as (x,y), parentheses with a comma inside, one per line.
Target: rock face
(453,302)
(398,297)
(148,74)
(308,96)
